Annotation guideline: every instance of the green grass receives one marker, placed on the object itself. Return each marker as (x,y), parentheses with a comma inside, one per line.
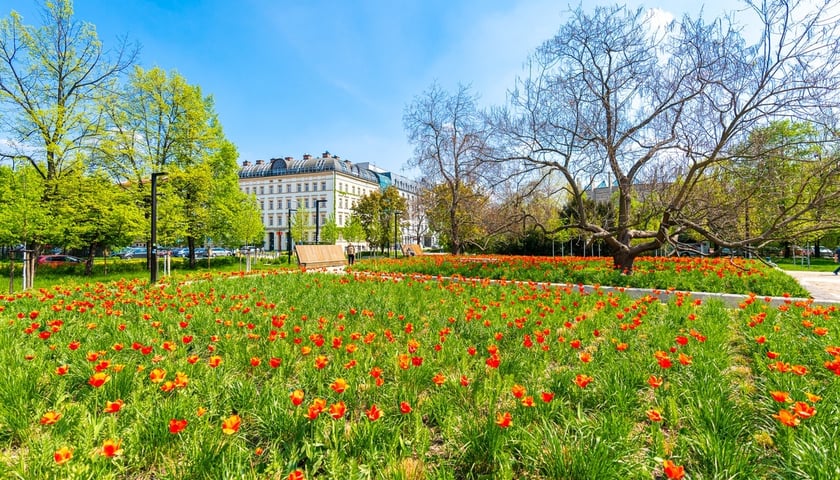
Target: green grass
(716,408)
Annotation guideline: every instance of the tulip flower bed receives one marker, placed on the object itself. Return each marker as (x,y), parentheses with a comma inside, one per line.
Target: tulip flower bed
(718,275)
(300,375)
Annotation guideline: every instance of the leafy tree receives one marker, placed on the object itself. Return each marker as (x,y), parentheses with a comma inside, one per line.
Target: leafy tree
(300,225)
(451,144)
(104,216)
(53,78)
(329,231)
(472,215)
(376,213)
(244,222)
(353,231)
(161,123)
(24,219)
(617,97)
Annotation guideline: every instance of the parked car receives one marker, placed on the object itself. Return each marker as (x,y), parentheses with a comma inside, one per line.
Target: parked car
(826,252)
(220,252)
(58,260)
(181,252)
(200,253)
(131,252)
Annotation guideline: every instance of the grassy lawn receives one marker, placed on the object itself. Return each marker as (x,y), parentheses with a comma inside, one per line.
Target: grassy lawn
(368,375)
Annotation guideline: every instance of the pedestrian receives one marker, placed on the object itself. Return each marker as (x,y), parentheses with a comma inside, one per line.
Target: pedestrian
(837,259)
(351,253)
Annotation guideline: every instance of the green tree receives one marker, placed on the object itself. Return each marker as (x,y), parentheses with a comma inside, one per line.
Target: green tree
(53,78)
(160,123)
(471,215)
(103,215)
(353,231)
(300,225)
(376,213)
(329,231)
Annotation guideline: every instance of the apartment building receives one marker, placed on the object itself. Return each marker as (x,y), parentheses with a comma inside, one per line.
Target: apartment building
(323,186)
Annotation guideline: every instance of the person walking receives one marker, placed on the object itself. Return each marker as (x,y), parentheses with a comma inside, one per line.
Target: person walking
(351,253)
(837,260)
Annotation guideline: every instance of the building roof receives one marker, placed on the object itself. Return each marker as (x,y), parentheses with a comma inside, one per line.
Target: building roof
(308,164)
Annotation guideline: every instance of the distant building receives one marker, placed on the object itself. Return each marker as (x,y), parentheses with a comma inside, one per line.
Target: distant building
(327,185)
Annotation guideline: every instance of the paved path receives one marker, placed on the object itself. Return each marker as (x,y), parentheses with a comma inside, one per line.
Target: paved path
(824,287)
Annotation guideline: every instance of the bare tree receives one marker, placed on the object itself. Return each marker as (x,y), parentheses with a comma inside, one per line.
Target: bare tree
(450,139)
(621,98)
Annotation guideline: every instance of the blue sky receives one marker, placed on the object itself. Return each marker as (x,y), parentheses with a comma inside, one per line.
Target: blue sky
(294,77)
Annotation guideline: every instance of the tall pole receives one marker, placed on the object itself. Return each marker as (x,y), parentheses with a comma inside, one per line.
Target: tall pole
(317,219)
(289,238)
(396,216)
(154,264)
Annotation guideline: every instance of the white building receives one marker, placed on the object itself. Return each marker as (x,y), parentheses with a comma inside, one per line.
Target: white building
(325,185)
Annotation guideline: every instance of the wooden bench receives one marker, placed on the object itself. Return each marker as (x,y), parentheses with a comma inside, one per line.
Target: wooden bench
(411,250)
(320,256)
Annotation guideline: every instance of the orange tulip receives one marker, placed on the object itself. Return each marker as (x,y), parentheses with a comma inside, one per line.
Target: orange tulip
(654,415)
(337,410)
(780,397)
(296,397)
(110,448)
(113,407)
(373,413)
(803,410)
(787,418)
(231,424)
(673,471)
(176,425)
(503,419)
(405,408)
(62,455)
(583,380)
(157,375)
(98,379)
(654,381)
(339,385)
(50,418)
(518,391)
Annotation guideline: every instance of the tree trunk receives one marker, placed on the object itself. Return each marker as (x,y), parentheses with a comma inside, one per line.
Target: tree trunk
(623,261)
(89,262)
(191,245)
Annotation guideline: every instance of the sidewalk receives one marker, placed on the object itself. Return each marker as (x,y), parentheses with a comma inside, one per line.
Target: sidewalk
(824,287)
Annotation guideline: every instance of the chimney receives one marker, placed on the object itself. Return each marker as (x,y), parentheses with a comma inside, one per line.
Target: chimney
(289,159)
(260,162)
(325,155)
(307,156)
(246,163)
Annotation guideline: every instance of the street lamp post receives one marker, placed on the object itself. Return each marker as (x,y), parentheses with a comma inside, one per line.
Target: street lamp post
(289,239)
(154,265)
(318,218)
(396,222)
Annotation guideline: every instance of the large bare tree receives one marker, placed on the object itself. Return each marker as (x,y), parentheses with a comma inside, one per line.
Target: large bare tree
(450,140)
(620,98)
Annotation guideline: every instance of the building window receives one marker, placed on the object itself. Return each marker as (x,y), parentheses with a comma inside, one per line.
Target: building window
(305,203)
(262,190)
(270,189)
(271,219)
(323,186)
(305,187)
(298,188)
(271,204)
(262,205)
(288,188)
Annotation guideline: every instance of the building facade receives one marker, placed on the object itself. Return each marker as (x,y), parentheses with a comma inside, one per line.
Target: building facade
(322,186)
